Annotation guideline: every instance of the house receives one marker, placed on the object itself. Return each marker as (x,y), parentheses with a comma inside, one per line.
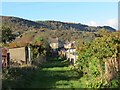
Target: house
(71,51)
(72,56)
(62,52)
(69,45)
(55,43)
(20,55)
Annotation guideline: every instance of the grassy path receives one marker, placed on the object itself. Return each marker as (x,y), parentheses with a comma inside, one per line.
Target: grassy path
(55,74)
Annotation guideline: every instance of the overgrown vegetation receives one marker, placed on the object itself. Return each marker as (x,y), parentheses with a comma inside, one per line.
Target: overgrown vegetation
(18,77)
(92,59)
(53,74)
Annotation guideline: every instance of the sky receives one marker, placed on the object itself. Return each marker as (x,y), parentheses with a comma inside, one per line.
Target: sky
(89,13)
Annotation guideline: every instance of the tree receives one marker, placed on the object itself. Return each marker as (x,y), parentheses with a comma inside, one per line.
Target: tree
(93,58)
(7,35)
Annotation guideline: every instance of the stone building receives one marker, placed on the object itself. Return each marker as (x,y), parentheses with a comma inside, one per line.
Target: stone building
(55,43)
(20,55)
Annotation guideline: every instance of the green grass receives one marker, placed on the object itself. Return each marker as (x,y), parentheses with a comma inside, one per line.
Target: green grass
(54,73)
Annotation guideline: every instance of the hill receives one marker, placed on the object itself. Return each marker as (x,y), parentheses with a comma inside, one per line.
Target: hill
(27,31)
(73,26)
(22,24)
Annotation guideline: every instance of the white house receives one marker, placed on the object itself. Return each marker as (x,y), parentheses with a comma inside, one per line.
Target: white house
(71,55)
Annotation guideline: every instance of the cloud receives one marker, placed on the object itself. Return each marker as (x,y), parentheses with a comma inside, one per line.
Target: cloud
(93,23)
(111,22)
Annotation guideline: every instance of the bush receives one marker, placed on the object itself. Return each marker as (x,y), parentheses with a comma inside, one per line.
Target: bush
(92,60)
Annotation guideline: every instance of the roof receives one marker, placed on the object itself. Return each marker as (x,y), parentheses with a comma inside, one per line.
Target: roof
(17,47)
(54,40)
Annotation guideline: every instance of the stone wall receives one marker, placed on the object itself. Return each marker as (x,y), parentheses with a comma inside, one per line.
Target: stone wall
(18,54)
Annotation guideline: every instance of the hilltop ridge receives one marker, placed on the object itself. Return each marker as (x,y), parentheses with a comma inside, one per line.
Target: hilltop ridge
(17,23)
